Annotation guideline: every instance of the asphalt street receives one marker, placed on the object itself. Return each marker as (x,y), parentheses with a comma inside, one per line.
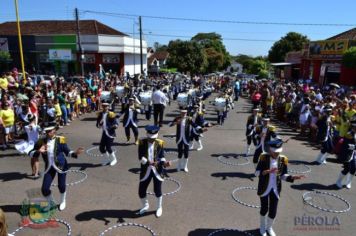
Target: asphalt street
(204,202)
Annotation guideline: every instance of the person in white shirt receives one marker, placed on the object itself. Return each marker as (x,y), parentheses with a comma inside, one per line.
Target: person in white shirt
(271,170)
(159,100)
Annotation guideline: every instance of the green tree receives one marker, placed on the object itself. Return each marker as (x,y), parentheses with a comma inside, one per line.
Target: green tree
(349,58)
(259,67)
(186,56)
(218,57)
(291,42)
(5,56)
(160,47)
(245,60)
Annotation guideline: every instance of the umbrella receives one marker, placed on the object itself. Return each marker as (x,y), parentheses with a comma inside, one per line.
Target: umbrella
(334,85)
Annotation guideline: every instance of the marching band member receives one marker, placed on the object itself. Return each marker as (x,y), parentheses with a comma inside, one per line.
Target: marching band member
(348,157)
(264,133)
(53,150)
(325,129)
(183,132)
(253,121)
(197,131)
(271,170)
(153,163)
(108,122)
(130,120)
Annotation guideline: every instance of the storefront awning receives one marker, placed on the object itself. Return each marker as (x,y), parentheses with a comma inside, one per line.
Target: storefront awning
(282,64)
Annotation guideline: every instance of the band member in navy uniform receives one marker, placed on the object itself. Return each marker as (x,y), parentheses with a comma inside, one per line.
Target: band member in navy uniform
(184,124)
(325,131)
(153,164)
(264,133)
(271,170)
(348,157)
(108,122)
(253,121)
(54,150)
(200,127)
(130,120)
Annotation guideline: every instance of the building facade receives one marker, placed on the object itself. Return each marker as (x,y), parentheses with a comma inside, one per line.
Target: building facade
(52,47)
(322,60)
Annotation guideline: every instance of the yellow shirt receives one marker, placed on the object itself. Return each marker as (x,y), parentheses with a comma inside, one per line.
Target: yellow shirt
(344,125)
(288,107)
(58,109)
(4,83)
(8,117)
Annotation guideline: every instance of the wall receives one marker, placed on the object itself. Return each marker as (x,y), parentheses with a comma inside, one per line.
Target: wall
(129,66)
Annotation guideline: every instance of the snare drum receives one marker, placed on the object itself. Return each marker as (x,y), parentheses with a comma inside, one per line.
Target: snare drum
(120,91)
(105,96)
(182,99)
(220,104)
(146,98)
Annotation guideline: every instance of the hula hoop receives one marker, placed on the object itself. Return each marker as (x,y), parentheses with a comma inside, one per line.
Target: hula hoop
(300,172)
(306,198)
(89,152)
(85,176)
(233,164)
(128,225)
(234,230)
(69,228)
(170,193)
(241,202)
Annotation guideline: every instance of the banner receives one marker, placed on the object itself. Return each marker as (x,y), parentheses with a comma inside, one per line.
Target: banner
(60,54)
(328,47)
(4,44)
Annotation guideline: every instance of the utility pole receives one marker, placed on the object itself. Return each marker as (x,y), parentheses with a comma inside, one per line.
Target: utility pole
(141,54)
(20,42)
(81,58)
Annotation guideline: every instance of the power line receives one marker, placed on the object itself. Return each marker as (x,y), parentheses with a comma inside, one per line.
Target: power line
(189,37)
(221,21)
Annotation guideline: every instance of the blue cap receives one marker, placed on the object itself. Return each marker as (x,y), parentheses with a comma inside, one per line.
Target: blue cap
(152,129)
(275,145)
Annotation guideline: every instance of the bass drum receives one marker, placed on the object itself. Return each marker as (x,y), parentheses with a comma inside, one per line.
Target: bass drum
(120,91)
(182,100)
(146,98)
(220,104)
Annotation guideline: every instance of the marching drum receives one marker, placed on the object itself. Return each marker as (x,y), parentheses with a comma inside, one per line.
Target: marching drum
(120,91)
(192,92)
(146,98)
(182,99)
(105,96)
(220,104)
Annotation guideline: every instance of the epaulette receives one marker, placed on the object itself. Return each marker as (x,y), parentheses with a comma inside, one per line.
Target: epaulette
(284,159)
(62,140)
(201,113)
(263,156)
(272,128)
(160,142)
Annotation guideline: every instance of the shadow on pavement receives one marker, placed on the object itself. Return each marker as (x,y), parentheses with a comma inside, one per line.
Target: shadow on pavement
(84,166)
(115,144)
(89,119)
(225,175)
(104,215)
(205,232)
(11,208)
(10,176)
(135,170)
(314,186)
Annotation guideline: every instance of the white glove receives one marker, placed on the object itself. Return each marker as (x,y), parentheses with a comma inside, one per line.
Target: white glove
(143,160)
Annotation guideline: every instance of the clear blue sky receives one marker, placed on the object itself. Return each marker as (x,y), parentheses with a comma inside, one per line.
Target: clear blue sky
(302,11)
